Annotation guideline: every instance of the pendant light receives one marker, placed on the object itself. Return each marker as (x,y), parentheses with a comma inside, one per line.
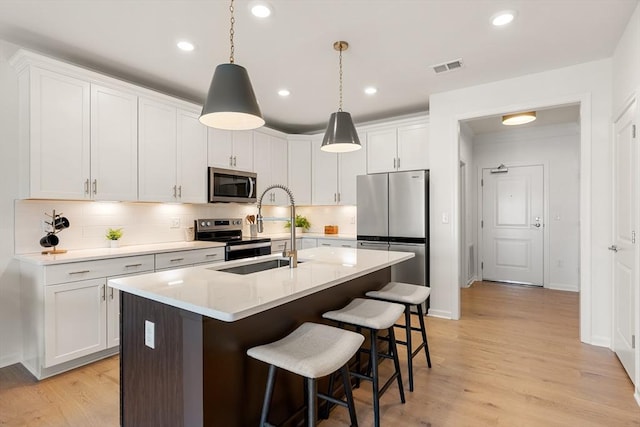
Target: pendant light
(231,103)
(341,135)
(518,118)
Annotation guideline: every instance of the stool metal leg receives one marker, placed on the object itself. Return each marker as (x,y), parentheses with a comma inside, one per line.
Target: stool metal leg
(311,391)
(407,328)
(271,379)
(396,362)
(349,395)
(373,365)
(424,334)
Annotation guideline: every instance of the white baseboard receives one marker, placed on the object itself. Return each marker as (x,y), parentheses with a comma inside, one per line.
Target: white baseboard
(10,359)
(443,314)
(563,287)
(600,341)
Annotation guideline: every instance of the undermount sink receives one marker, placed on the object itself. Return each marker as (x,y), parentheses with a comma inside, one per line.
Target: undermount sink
(258,266)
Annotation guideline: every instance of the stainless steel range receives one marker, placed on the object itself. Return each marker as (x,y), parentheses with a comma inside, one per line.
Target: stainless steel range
(229,231)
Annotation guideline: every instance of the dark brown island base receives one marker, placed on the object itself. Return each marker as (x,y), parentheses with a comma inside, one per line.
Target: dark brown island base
(198,374)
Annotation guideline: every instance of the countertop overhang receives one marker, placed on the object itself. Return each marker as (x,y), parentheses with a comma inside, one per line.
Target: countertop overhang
(230,297)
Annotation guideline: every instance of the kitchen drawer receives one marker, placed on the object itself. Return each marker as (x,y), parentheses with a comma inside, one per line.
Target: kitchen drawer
(337,243)
(75,271)
(186,258)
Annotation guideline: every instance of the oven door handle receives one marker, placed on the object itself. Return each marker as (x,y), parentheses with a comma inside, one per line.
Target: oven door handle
(248,246)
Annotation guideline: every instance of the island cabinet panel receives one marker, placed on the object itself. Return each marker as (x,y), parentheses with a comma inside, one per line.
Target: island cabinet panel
(199,373)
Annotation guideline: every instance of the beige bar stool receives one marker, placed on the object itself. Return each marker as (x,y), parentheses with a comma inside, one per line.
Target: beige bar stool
(409,295)
(374,316)
(311,351)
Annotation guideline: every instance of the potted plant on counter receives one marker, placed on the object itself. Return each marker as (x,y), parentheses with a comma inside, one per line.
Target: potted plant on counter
(113,236)
(302,224)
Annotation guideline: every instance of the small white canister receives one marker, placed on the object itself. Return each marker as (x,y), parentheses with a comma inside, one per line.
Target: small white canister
(189,234)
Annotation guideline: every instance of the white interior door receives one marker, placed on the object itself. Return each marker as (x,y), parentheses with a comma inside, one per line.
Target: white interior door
(624,248)
(512,224)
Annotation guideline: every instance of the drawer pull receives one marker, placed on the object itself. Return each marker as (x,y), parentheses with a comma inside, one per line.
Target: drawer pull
(325,244)
(346,246)
(132,265)
(79,272)
(211,255)
(176,260)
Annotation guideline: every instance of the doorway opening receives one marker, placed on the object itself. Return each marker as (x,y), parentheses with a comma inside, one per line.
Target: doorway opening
(522,199)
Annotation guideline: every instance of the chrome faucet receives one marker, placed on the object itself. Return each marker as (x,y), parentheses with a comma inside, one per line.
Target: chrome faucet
(292,253)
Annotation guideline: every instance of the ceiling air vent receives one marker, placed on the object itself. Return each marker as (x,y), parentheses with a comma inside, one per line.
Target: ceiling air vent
(448,66)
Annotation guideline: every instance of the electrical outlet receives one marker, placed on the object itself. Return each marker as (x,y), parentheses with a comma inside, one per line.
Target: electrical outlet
(353,220)
(149,334)
(175,222)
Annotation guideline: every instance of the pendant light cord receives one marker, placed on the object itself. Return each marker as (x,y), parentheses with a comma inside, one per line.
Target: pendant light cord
(340,108)
(231,33)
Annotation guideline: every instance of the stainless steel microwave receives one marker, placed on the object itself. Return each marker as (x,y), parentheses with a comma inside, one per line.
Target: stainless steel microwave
(227,185)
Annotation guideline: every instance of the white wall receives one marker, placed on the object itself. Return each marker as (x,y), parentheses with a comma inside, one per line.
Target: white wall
(10,327)
(558,148)
(588,83)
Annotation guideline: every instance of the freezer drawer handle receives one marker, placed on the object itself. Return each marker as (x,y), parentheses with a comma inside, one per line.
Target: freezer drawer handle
(79,272)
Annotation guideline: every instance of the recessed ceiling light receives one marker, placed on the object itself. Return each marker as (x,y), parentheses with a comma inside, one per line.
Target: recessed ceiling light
(284,92)
(503,18)
(260,9)
(185,45)
(370,90)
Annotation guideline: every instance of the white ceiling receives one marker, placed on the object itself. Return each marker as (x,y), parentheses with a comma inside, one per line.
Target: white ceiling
(393,44)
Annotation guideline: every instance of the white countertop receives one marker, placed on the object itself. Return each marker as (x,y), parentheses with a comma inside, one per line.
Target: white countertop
(230,297)
(105,253)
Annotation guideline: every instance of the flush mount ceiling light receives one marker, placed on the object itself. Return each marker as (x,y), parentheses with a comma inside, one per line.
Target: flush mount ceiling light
(503,18)
(518,118)
(370,90)
(231,103)
(185,45)
(341,135)
(284,93)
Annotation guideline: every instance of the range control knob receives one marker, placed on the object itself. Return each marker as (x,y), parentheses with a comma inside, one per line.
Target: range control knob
(208,223)
(202,223)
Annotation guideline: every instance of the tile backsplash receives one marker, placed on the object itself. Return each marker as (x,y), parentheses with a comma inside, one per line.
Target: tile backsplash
(147,223)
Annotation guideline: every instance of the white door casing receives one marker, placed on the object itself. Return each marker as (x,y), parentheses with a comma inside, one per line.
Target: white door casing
(513,224)
(624,248)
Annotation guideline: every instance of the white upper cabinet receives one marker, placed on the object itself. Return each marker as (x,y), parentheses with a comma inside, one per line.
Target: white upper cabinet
(54,135)
(114,145)
(231,149)
(270,154)
(398,148)
(157,146)
(299,179)
(334,175)
(191,173)
(172,147)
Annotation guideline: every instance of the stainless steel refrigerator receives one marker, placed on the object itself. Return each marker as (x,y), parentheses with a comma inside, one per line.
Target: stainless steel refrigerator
(393,215)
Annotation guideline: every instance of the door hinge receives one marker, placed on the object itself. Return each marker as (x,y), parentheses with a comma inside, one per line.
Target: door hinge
(482,182)
(633,237)
(633,341)
(633,131)
(482,265)
(482,223)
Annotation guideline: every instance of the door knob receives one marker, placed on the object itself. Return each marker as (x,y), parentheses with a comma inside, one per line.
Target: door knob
(613,248)
(537,224)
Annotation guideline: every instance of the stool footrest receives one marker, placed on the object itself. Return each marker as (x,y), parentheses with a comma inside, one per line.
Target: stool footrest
(333,400)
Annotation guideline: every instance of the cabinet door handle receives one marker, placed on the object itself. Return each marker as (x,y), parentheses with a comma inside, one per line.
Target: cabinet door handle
(394,162)
(338,197)
(230,160)
(104,292)
(176,259)
(95,186)
(111,293)
(132,265)
(175,191)
(79,272)
(234,161)
(86,186)
(180,191)
(335,197)
(398,162)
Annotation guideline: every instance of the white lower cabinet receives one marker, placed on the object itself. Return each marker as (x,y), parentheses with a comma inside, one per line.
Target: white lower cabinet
(181,259)
(75,316)
(337,243)
(70,315)
(308,243)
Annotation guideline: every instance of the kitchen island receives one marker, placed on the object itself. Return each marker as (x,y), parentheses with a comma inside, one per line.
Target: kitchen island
(185,332)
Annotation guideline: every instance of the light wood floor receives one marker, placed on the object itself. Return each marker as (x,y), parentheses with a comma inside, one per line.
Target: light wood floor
(514,359)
